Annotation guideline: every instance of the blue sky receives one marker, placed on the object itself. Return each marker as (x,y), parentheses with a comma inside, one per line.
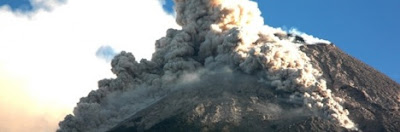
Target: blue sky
(367,30)
(22,5)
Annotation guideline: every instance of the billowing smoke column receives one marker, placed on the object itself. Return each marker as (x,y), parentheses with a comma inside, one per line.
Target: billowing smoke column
(215,34)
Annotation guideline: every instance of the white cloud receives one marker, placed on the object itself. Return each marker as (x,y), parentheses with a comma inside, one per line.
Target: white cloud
(52,53)
(309,39)
(46,4)
(36,6)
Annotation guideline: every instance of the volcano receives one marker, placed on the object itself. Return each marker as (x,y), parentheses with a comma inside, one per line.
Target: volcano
(372,99)
(227,71)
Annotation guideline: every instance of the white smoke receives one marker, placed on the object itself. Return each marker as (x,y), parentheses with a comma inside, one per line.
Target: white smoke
(308,38)
(215,34)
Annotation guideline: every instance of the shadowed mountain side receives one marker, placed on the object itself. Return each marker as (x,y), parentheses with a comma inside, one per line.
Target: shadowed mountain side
(225,104)
(372,97)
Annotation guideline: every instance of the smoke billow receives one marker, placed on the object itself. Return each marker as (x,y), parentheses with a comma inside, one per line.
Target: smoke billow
(215,34)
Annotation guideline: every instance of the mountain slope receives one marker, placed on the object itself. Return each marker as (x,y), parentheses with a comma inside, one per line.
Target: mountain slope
(371,97)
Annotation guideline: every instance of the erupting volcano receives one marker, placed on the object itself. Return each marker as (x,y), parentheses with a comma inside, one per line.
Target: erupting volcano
(227,71)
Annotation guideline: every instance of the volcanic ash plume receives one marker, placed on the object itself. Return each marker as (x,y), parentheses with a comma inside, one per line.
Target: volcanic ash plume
(215,34)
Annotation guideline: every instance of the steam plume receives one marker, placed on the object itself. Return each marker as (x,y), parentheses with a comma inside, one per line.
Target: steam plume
(215,34)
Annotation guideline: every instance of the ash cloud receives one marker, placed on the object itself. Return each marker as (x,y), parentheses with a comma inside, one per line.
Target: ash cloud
(215,34)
